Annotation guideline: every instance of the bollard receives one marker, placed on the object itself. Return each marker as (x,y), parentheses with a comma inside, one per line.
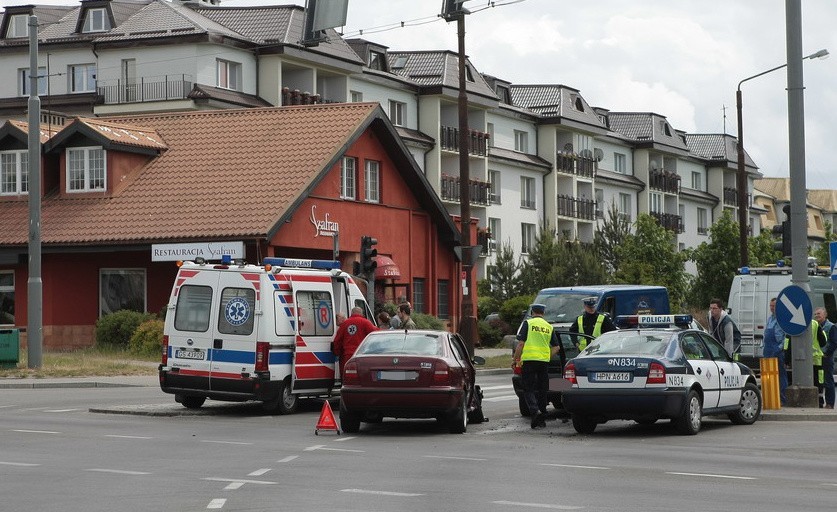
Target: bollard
(769,367)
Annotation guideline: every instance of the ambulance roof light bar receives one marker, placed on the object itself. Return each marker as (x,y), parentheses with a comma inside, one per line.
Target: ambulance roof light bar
(302,263)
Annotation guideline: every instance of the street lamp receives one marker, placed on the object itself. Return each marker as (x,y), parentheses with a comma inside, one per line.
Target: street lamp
(743,207)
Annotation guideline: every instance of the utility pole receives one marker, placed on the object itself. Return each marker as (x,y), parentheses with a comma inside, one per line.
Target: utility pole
(34,326)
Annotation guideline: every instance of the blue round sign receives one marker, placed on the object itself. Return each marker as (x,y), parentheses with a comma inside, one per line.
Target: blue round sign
(794,310)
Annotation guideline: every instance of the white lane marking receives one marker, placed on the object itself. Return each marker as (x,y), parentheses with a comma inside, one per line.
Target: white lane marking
(216,503)
(452,458)
(381,493)
(36,431)
(500,398)
(128,437)
(4,406)
(233,486)
(324,447)
(573,466)
(242,480)
(711,475)
(536,505)
(288,458)
(344,439)
(61,410)
(22,464)
(489,388)
(224,442)
(117,471)
(259,472)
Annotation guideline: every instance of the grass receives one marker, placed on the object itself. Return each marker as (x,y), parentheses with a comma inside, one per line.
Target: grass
(503,361)
(83,363)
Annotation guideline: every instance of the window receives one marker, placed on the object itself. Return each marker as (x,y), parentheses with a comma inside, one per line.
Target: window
(121,288)
(527,192)
(521,141)
(656,200)
(469,75)
(702,224)
(494,180)
(503,93)
(397,111)
(620,163)
(23,81)
(372,183)
(625,207)
(236,312)
(313,321)
(442,299)
(7,297)
(194,305)
(348,178)
(697,181)
(528,235)
(377,60)
(229,75)
(357,96)
(18,26)
(82,78)
(14,172)
(85,169)
(400,61)
(97,20)
(418,295)
(494,228)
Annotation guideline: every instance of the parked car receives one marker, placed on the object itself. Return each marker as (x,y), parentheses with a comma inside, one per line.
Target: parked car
(557,383)
(411,374)
(648,373)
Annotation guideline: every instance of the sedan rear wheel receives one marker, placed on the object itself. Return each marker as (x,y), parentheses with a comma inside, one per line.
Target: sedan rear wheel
(689,422)
(583,424)
(458,421)
(749,407)
(349,421)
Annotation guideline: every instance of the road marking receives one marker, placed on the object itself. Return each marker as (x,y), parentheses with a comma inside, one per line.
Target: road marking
(500,398)
(4,406)
(573,466)
(224,442)
(61,410)
(233,486)
(216,503)
(117,471)
(288,458)
(259,472)
(344,439)
(489,388)
(242,480)
(36,431)
(324,447)
(710,475)
(536,505)
(22,464)
(127,437)
(382,493)
(452,458)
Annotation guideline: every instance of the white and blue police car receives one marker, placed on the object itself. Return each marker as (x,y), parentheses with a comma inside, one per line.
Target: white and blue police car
(654,368)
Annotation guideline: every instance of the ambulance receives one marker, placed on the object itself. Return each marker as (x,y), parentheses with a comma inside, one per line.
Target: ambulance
(238,332)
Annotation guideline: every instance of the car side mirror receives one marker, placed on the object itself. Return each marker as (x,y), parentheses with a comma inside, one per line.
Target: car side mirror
(478,360)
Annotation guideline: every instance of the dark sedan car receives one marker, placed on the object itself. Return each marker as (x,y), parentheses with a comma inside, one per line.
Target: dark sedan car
(411,374)
(645,374)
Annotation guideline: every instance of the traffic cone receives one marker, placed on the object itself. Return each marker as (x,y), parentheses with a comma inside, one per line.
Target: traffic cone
(326,421)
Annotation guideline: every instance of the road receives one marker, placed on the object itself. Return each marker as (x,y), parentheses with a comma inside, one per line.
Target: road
(58,456)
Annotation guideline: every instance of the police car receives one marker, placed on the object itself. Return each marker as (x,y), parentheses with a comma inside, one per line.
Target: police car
(654,368)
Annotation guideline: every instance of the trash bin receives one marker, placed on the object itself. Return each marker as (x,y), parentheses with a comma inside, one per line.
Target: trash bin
(9,347)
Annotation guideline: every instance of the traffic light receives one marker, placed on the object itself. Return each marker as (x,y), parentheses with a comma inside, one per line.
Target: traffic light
(368,264)
(783,231)
(451,9)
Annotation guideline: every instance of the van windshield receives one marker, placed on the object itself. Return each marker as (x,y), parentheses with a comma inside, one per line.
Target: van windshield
(561,307)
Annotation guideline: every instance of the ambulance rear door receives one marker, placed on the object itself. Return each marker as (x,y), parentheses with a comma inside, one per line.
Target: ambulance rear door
(234,332)
(190,327)
(313,368)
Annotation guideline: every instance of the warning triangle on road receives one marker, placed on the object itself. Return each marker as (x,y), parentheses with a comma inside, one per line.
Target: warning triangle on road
(326,421)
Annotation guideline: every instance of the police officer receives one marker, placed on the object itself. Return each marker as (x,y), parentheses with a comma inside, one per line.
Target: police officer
(538,343)
(818,342)
(591,323)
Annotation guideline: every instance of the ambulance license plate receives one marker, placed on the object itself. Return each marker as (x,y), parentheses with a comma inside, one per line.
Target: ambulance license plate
(190,353)
(611,377)
(397,375)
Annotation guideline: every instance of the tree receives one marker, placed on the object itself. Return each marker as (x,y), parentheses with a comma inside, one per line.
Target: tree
(610,235)
(563,262)
(503,275)
(717,261)
(543,257)
(821,252)
(650,256)
(761,248)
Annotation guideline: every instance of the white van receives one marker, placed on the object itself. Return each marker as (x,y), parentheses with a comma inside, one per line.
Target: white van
(749,299)
(239,332)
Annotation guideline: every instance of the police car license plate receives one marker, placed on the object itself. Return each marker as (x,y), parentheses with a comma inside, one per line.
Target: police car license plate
(186,353)
(611,377)
(397,375)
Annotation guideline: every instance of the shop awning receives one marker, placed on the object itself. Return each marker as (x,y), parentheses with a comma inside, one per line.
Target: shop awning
(386,269)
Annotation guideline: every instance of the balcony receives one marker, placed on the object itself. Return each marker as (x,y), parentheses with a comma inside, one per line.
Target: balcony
(666,181)
(568,206)
(669,221)
(480,190)
(477,141)
(572,163)
(730,196)
(143,89)
(295,97)
(484,241)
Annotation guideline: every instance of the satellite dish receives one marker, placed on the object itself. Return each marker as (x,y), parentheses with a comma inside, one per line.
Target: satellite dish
(654,165)
(586,153)
(598,154)
(568,147)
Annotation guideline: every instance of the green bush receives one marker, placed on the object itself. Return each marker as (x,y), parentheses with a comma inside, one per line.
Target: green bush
(486,306)
(490,335)
(424,321)
(115,330)
(147,339)
(512,310)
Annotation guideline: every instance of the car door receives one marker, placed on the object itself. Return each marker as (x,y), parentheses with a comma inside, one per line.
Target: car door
(234,338)
(731,379)
(313,364)
(703,365)
(191,332)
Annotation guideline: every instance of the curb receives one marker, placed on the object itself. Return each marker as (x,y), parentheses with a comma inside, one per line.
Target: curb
(67,384)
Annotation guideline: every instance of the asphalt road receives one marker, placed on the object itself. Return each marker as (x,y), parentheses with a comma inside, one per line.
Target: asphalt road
(56,455)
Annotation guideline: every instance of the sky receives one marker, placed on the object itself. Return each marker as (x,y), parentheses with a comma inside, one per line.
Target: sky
(681,59)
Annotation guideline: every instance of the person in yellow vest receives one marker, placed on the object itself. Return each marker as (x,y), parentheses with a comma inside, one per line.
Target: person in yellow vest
(591,322)
(538,342)
(818,342)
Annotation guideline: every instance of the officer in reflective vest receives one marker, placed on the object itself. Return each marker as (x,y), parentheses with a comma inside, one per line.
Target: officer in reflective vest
(591,323)
(538,342)
(818,341)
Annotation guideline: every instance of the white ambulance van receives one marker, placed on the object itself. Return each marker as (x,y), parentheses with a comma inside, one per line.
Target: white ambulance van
(238,332)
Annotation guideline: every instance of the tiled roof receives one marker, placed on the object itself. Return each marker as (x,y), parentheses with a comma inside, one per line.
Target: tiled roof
(779,188)
(646,127)
(711,146)
(555,101)
(516,156)
(206,92)
(22,129)
(125,134)
(825,199)
(438,68)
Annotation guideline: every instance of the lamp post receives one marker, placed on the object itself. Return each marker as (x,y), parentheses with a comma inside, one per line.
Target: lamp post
(743,206)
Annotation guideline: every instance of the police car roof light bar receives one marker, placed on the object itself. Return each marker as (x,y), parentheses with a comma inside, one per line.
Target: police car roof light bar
(646,321)
(302,263)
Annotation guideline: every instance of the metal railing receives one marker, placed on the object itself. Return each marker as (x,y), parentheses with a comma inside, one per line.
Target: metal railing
(480,190)
(669,221)
(573,163)
(143,89)
(477,141)
(578,208)
(730,196)
(666,181)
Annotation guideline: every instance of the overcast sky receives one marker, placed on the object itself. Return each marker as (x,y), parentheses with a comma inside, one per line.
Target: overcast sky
(681,59)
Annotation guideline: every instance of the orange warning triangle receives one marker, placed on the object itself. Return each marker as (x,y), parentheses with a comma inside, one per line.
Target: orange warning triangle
(326,421)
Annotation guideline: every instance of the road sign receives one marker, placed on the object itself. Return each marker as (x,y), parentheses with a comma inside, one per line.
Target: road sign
(832,250)
(793,310)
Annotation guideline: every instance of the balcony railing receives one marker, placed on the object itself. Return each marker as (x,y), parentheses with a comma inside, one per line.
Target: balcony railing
(480,190)
(666,181)
(477,141)
(669,221)
(569,206)
(573,163)
(297,97)
(730,196)
(150,88)
(484,240)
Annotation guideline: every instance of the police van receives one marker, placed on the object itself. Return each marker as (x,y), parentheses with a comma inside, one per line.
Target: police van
(238,332)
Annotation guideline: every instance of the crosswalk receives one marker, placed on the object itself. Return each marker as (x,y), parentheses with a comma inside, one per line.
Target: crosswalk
(498,393)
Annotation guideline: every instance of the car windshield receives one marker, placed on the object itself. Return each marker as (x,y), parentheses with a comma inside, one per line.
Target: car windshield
(633,343)
(561,307)
(401,343)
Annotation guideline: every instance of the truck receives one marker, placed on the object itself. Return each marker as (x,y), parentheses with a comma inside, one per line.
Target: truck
(236,332)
